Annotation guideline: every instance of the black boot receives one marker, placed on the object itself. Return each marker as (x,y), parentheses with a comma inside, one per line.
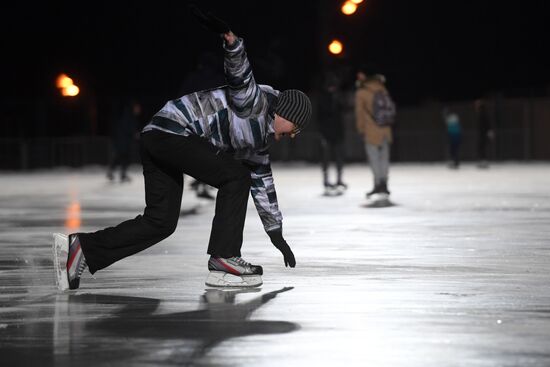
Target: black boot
(384,187)
(375,190)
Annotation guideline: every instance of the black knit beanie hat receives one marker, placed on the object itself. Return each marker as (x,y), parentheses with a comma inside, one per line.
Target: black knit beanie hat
(294,106)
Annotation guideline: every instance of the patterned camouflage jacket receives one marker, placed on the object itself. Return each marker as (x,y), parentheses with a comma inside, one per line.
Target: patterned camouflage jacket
(237,118)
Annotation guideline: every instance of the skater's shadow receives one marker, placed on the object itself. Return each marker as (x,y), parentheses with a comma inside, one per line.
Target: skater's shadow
(220,318)
(193,210)
(107,329)
(331,194)
(384,203)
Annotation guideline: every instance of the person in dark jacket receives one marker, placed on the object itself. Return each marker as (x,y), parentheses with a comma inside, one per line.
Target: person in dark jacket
(331,129)
(485,131)
(454,135)
(218,136)
(123,135)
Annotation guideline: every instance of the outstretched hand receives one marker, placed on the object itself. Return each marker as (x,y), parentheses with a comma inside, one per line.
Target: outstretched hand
(280,243)
(209,20)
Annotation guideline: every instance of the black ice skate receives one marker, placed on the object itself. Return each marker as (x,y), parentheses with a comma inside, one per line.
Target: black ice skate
(374,191)
(380,191)
(384,188)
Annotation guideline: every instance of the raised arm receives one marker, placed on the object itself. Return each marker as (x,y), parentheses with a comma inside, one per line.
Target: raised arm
(244,94)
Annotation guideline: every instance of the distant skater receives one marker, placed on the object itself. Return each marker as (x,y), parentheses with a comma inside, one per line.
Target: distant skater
(485,132)
(331,128)
(375,114)
(454,136)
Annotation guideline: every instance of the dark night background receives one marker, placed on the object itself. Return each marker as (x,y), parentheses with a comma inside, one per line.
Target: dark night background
(429,50)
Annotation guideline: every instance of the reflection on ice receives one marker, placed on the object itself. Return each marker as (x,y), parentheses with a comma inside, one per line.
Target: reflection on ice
(73,219)
(456,270)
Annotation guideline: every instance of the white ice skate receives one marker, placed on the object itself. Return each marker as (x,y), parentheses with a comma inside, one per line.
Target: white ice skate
(60,254)
(68,261)
(233,272)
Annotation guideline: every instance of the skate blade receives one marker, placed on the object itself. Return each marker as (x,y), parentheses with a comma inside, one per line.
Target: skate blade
(222,279)
(60,252)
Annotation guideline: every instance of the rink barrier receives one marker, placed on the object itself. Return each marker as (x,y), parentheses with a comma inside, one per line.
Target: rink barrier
(409,146)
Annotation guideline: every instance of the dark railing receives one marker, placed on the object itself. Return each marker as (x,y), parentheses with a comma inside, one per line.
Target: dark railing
(409,145)
(53,152)
(521,125)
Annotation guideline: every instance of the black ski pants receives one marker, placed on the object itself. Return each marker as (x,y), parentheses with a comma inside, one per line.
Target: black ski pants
(165,158)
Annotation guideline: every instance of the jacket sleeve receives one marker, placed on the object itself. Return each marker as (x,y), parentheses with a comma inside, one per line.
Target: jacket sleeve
(264,196)
(360,111)
(244,94)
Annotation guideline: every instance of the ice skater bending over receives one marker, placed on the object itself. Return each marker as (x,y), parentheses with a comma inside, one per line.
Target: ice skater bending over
(220,137)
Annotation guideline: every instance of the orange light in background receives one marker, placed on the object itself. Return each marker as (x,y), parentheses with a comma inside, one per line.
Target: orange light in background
(349,8)
(63,81)
(336,47)
(72,220)
(356,1)
(70,91)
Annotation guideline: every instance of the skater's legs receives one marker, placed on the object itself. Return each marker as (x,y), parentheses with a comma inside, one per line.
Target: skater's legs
(226,236)
(454,146)
(124,163)
(385,160)
(113,162)
(338,153)
(165,158)
(206,163)
(163,190)
(325,158)
(374,154)
(482,147)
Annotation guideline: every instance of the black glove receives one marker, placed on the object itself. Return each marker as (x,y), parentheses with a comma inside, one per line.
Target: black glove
(209,20)
(278,241)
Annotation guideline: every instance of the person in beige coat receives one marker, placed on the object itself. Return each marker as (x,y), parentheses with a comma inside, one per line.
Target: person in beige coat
(377,136)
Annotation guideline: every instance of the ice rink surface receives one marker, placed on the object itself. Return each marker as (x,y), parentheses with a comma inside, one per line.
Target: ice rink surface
(456,272)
